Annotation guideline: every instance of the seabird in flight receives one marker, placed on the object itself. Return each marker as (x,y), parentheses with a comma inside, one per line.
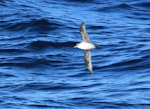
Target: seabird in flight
(86,46)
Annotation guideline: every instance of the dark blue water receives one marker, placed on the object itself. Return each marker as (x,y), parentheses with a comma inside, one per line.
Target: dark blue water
(40,69)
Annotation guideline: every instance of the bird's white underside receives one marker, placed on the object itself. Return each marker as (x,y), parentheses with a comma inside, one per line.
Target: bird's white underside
(85,46)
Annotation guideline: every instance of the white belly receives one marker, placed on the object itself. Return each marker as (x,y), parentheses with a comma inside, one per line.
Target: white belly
(86,46)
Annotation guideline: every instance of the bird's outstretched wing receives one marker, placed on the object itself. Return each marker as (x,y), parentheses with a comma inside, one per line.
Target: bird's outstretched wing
(83,33)
(87,58)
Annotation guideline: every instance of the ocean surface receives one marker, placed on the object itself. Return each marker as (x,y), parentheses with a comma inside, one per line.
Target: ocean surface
(41,69)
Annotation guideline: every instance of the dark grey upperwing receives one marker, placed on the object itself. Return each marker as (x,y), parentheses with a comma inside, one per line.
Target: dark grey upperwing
(87,58)
(83,33)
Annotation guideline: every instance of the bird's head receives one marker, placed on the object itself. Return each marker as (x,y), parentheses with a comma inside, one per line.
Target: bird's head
(77,45)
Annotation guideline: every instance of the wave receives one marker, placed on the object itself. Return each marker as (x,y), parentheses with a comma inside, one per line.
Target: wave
(37,45)
(5,2)
(116,8)
(143,4)
(43,86)
(97,27)
(12,51)
(33,25)
(129,65)
(3,74)
(83,1)
(25,62)
(23,57)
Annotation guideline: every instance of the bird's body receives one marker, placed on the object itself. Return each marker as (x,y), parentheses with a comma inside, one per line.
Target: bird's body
(86,46)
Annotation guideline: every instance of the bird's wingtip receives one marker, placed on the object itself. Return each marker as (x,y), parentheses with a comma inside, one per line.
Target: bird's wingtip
(91,72)
(82,23)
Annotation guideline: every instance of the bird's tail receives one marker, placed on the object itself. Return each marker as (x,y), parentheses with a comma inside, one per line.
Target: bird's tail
(97,46)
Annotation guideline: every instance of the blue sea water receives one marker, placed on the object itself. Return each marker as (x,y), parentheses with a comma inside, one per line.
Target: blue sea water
(40,69)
